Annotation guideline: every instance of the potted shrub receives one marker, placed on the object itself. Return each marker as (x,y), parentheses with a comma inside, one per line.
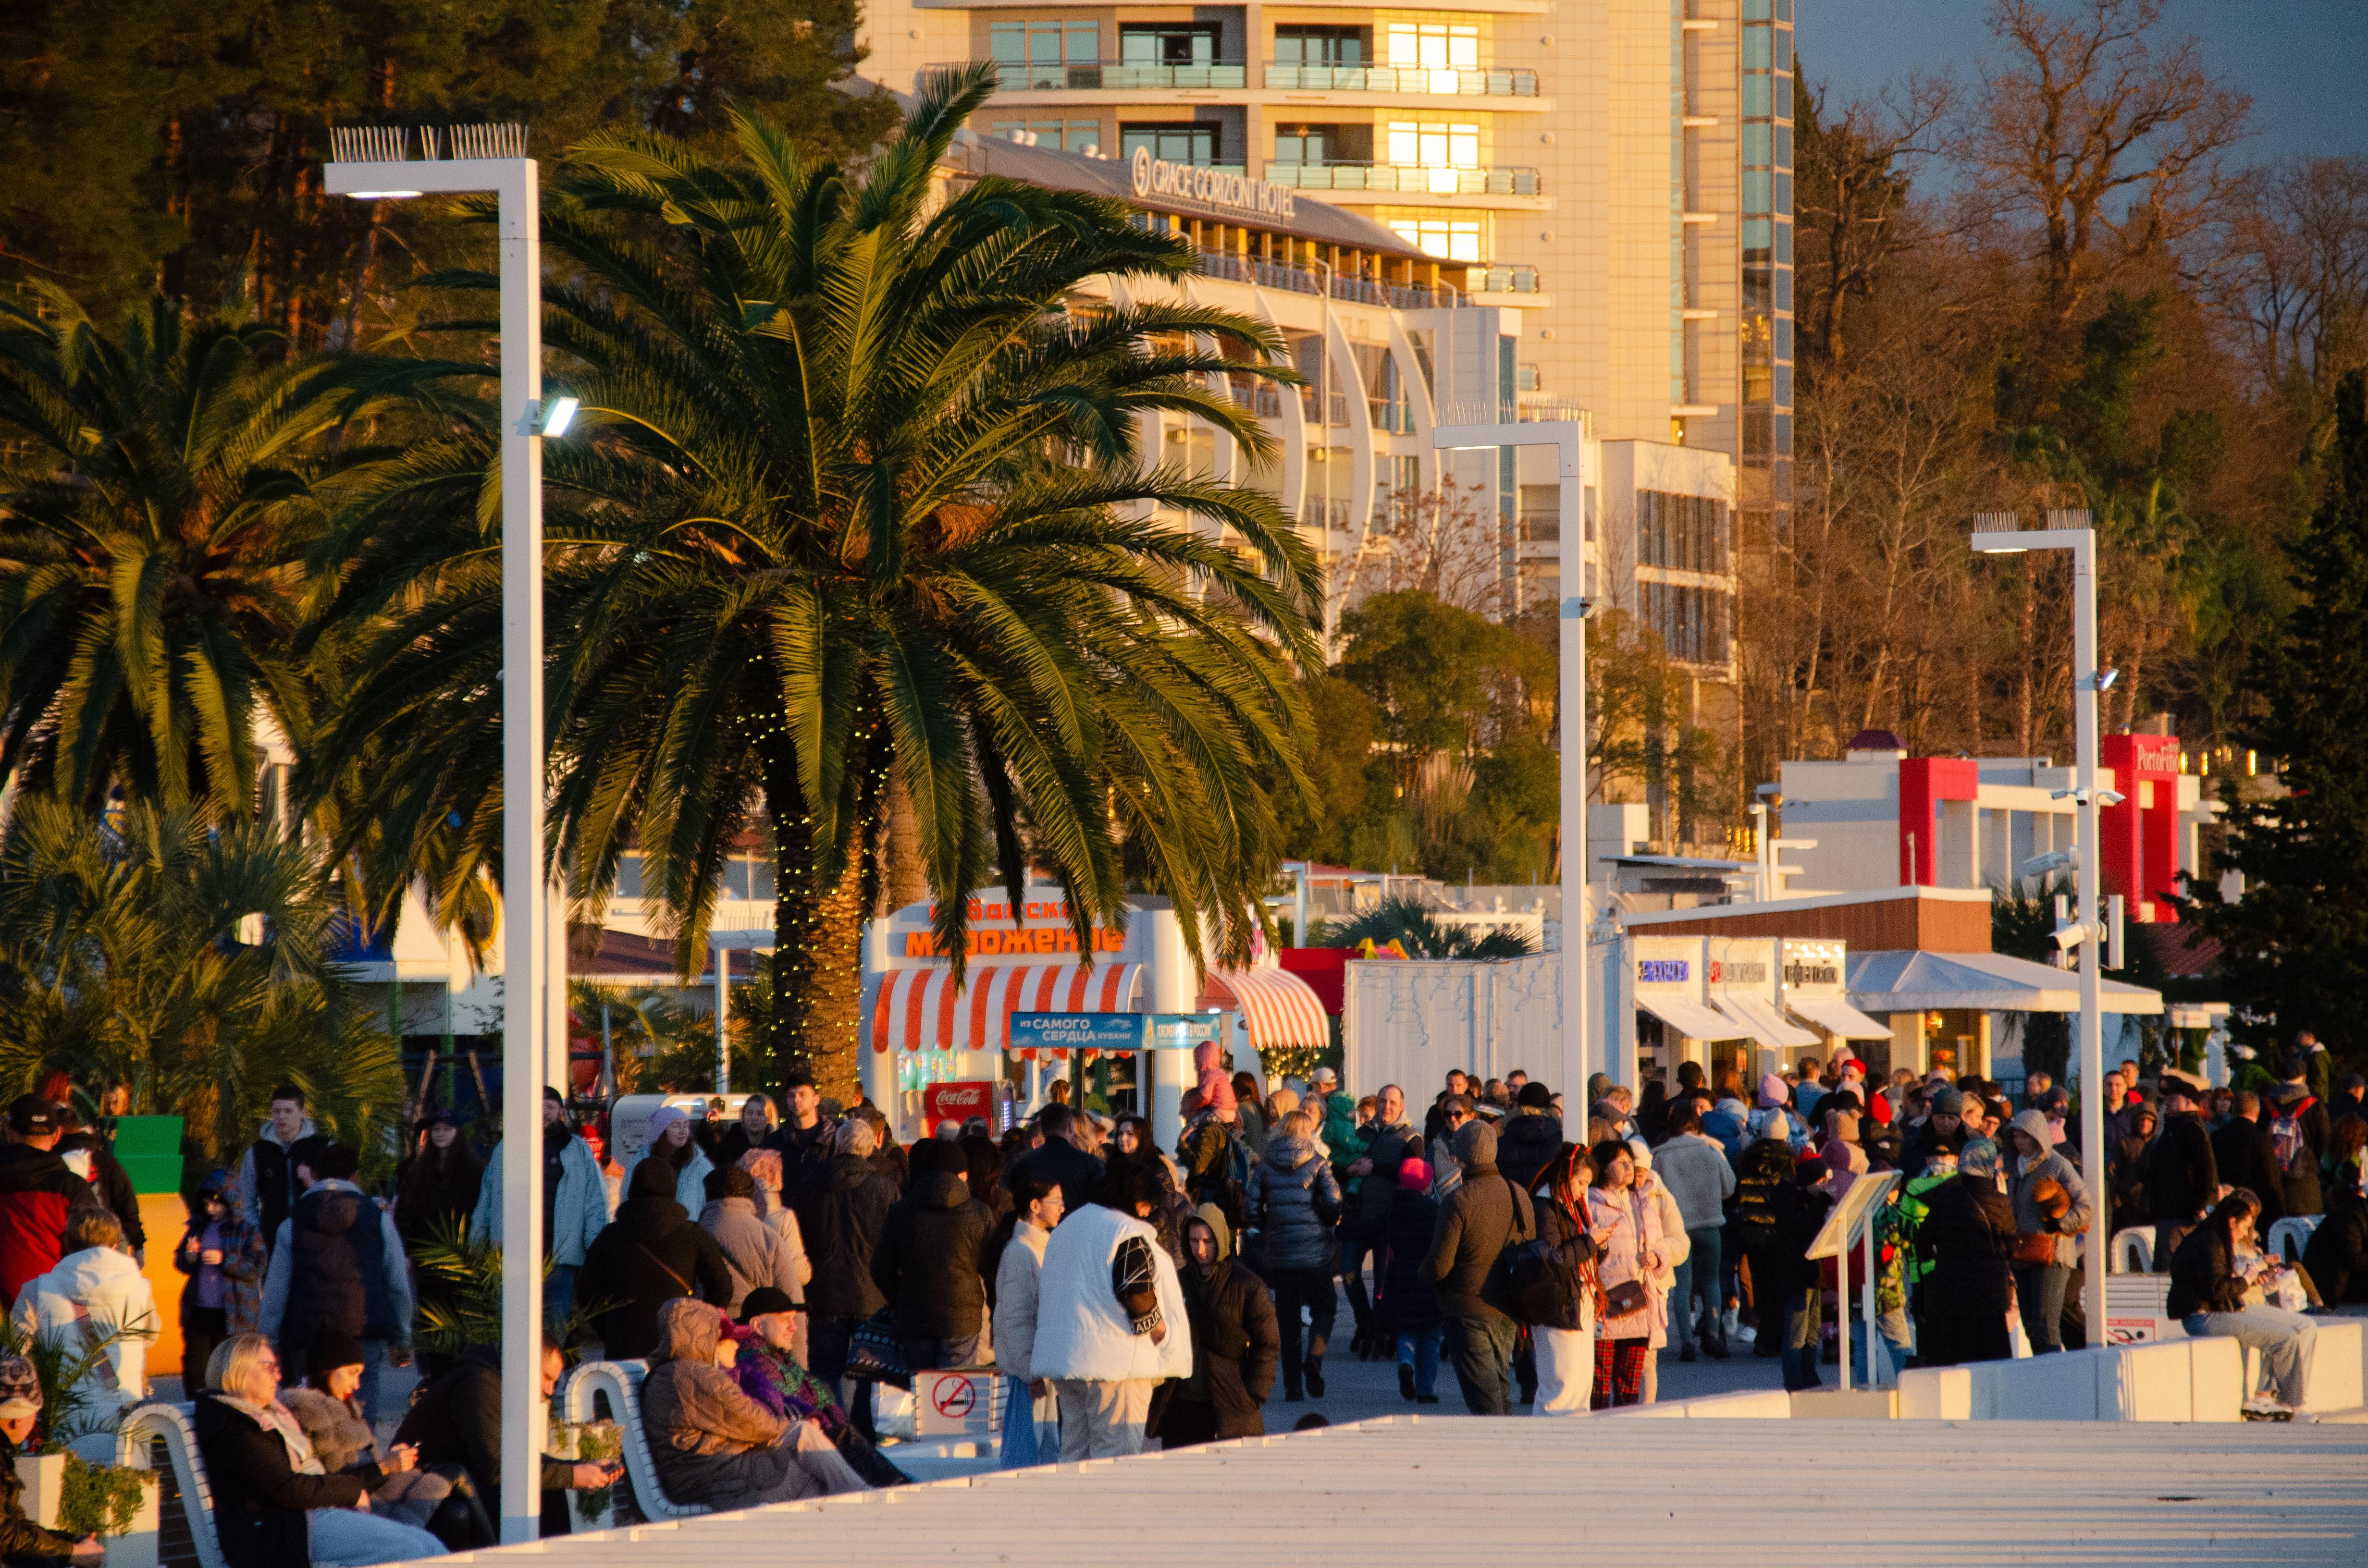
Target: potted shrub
(66,1490)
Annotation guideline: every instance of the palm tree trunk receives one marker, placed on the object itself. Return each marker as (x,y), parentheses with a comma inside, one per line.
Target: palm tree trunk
(817,941)
(905,881)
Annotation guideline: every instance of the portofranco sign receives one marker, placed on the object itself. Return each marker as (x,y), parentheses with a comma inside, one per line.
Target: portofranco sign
(1212,187)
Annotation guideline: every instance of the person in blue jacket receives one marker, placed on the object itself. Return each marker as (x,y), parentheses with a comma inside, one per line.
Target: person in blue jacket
(574,1204)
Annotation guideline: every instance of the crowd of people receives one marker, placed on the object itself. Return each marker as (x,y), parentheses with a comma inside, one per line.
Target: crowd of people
(776,1268)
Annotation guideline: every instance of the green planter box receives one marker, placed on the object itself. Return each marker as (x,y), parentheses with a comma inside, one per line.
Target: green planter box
(150,1148)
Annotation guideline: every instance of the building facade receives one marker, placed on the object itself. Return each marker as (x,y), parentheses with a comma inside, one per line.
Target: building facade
(1614,178)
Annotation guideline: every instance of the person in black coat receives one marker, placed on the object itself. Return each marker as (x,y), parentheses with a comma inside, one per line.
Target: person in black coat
(92,1157)
(841,1217)
(263,1496)
(650,1254)
(1236,1341)
(457,1420)
(1968,1233)
(2248,1159)
(1077,1172)
(2335,1257)
(928,1263)
(1409,1296)
(2182,1172)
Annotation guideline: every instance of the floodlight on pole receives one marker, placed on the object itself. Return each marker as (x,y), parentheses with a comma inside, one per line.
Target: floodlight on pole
(2081,542)
(1568,438)
(376,162)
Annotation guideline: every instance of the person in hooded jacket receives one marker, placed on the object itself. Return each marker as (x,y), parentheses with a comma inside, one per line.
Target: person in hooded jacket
(710,1442)
(225,1260)
(2336,1256)
(1235,1344)
(1483,1216)
(1409,1296)
(751,1247)
(1385,1141)
(650,1254)
(1967,1233)
(1755,1230)
(339,1263)
(842,1214)
(266,1172)
(930,1265)
(96,1281)
(1625,1226)
(2049,1200)
(575,1205)
(1294,1199)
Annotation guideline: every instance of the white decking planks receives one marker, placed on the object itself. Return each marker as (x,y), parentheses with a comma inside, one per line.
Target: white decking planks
(1418,1490)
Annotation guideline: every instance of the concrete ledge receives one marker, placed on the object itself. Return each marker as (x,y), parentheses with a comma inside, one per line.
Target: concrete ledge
(1937,1393)
(1843,1404)
(2339,1379)
(1752,1404)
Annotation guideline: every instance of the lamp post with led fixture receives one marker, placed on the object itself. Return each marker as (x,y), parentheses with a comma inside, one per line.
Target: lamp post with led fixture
(2082,938)
(375,164)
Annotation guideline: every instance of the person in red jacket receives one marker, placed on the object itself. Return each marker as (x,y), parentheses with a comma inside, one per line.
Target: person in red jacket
(36,1190)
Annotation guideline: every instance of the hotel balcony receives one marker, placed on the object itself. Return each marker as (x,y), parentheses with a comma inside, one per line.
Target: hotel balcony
(1404,178)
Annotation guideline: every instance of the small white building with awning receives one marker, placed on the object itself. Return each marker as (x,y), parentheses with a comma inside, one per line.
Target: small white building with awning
(919,1028)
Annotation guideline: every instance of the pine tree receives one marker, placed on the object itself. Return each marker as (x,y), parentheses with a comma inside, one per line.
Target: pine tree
(2295,946)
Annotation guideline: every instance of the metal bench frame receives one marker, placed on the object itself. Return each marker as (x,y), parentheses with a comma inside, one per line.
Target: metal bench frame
(622,1381)
(172,1423)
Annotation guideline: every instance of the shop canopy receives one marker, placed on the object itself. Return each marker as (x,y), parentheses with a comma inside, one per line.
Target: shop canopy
(918,1009)
(1281,1009)
(1760,1020)
(1910,982)
(1690,1017)
(1837,1017)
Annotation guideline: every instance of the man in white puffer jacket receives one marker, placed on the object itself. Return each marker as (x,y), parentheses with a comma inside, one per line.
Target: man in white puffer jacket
(1110,1322)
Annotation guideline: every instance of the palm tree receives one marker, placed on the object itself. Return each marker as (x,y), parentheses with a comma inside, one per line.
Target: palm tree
(1417,927)
(192,963)
(862,497)
(151,546)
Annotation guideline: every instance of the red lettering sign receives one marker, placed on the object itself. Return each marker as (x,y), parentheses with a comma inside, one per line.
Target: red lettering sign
(957,1102)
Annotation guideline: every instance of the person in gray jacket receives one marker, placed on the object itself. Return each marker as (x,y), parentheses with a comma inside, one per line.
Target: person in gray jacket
(1294,1199)
(2049,1201)
(574,1205)
(755,1250)
(1693,1169)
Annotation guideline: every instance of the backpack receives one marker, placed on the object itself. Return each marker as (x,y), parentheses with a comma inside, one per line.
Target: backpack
(2286,1143)
(1228,1186)
(1756,1225)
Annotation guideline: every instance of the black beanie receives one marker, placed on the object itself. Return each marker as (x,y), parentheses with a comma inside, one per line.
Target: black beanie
(332,1348)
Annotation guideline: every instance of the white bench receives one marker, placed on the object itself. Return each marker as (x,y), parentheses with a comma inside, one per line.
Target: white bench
(144,1423)
(621,1382)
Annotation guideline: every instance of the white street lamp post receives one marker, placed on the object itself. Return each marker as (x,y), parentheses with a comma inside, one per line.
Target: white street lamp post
(1568,438)
(373,163)
(2086,684)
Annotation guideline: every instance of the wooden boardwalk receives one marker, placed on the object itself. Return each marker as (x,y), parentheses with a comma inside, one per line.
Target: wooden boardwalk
(1423,1491)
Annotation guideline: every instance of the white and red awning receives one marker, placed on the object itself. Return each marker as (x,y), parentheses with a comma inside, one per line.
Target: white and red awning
(1281,1009)
(918,1009)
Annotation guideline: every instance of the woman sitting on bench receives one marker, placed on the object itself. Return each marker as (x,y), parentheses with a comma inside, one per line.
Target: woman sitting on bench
(712,1443)
(2211,1298)
(275,1505)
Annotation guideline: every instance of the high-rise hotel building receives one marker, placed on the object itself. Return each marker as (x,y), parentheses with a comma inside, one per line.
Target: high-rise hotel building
(1612,178)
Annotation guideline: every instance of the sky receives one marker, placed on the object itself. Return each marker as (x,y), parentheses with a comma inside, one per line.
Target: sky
(2300,60)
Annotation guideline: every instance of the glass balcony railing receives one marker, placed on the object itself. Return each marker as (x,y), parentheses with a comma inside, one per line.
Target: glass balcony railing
(1310,280)
(1468,84)
(1110,76)
(1402,177)
(1501,279)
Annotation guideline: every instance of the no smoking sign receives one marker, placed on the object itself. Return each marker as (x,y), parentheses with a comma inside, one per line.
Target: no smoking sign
(955,1403)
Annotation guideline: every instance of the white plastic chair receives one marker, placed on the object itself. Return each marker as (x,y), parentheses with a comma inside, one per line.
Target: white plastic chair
(2288,1237)
(2133,1251)
(171,1422)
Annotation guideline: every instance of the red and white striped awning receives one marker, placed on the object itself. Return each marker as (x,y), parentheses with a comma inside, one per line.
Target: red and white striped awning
(1282,1009)
(917,1009)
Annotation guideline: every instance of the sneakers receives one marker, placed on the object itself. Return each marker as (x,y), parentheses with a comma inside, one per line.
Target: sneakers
(1686,1354)
(1426,1399)
(1406,1381)
(1728,1324)
(1313,1373)
(1715,1346)
(2261,1407)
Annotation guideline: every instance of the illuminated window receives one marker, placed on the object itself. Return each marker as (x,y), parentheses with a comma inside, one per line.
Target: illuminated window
(1434,46)
(1419,144)
(1454,239)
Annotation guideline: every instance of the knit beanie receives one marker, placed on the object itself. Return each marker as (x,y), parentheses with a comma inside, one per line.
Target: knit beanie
(1948,1102)
(1413,1174)
(665,1116)
(1774,1092)
(1535,1096)
(332,1348)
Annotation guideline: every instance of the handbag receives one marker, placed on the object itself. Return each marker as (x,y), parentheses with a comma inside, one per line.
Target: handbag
(1626,1297)
(2034,1246)
(875,1354)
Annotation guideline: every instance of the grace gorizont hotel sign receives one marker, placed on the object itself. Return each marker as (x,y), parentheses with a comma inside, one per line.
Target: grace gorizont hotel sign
(1212,187)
